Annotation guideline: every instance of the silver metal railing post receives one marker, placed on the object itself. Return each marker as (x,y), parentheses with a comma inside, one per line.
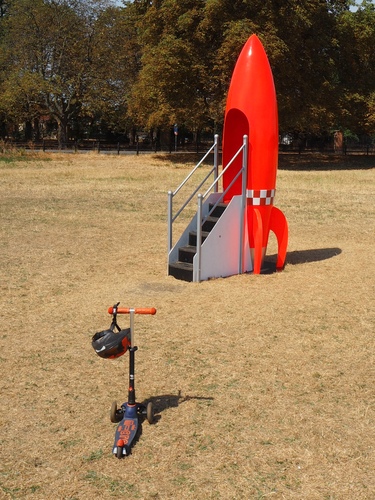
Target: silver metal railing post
(243,205)
(170,202)
(197,276)
(216,162)
(172,194)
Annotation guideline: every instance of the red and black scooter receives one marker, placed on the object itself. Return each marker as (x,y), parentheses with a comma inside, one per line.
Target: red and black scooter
(111,344)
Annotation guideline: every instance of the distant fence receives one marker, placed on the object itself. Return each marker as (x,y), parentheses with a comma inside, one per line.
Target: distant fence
(361,149)
(102,146)
(82,146)
(140,147)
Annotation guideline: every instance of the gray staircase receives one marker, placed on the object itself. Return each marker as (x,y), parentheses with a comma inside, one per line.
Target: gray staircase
(182,269)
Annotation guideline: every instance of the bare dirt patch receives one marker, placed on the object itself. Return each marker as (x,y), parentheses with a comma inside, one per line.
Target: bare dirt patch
(264,385)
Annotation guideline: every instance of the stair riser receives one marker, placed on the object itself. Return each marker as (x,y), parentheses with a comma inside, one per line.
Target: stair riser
(184,256)
(181,274)
(208,225)
(218,210)
(193,239)
(183,269)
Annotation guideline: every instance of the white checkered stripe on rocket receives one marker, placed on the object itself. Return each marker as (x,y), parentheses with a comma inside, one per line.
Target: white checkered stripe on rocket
(260,197)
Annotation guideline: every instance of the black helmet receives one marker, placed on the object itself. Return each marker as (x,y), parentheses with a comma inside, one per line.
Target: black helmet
(110,344)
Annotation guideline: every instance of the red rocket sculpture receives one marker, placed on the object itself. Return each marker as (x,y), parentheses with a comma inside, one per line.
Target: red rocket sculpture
(252,110)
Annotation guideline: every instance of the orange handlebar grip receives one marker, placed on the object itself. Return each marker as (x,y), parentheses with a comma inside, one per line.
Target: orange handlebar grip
(137,310)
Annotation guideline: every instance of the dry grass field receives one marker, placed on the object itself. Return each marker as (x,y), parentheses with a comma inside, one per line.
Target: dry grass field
(263,385)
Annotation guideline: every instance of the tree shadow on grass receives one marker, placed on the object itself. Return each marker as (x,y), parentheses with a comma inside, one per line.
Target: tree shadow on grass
(300,257)
(325,162)
(287,161)
(186,157)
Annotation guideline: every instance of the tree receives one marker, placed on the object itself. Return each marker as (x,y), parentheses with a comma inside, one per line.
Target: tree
(115,65)
(172,84)
(190,48)
(158,62)
(48,57)
(4,6)
(298,40)
(356,69)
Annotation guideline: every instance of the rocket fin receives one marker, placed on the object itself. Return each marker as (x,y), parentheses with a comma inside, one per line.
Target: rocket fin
(279,225)
(258,240)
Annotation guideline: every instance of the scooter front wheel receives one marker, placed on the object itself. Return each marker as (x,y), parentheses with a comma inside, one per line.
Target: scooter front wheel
(150,412)
(120,451)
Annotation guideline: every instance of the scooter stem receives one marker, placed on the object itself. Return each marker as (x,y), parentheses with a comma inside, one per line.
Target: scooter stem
(132,349)
(131,392)
(131,312)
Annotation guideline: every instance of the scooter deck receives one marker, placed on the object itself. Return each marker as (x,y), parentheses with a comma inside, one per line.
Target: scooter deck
(126,432)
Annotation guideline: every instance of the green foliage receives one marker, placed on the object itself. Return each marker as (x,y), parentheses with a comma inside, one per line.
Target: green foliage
(115,60)
(46,57)
(190,48)
(355,64)
(155,63)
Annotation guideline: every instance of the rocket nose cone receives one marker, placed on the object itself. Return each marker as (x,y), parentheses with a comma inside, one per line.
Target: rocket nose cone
(252,81)
(253,40)
(254,46)
(252,110)
(247,49)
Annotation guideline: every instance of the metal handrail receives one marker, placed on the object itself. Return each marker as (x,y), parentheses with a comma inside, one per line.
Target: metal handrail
(172,194)
(229,186)
(192,195)
(214,186)
(200,220)
(196,166)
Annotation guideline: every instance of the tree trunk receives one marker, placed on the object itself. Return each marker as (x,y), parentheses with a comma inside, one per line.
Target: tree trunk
(62,133)
(28,132)
(36,130)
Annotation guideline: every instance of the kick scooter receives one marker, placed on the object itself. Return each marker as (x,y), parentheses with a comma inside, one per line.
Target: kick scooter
(111,344)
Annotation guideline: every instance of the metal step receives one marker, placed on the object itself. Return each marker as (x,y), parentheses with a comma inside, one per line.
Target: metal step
(186,254)
(193,237)
(209,223)
(181,271)
(183,268)
(219,209)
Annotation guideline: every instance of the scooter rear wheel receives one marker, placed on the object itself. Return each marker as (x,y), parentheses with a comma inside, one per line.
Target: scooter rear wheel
(115,414)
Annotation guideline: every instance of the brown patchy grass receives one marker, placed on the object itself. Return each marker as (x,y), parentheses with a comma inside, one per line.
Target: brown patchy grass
(264,385)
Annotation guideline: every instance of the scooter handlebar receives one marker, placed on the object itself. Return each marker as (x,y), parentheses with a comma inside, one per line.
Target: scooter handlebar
(137,310)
